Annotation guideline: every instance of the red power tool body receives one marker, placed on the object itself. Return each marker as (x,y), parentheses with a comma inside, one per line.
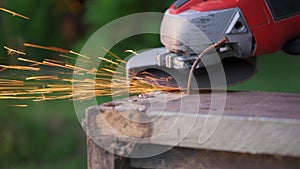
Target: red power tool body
(252,27)
(273,23)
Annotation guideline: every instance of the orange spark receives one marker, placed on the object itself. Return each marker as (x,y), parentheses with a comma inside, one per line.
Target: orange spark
(55,49)
(20,67)
(131,51)
(18,105)
(12,51)
(55,61)
(42,78)
(75,67)
(78,54)
(14,13)
(114,55)
(28,60)
(79,59)
(51,48)
(53,64)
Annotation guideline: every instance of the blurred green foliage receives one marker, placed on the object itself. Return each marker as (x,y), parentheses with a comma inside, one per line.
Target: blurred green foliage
(48,134)
(40,135)
(277,72)
(51,23)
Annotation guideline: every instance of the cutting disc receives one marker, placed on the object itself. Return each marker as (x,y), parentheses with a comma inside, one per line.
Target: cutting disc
(144,65)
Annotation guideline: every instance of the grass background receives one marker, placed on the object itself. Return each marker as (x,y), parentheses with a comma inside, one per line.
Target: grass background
(42,135)
(277,72)
(48,134)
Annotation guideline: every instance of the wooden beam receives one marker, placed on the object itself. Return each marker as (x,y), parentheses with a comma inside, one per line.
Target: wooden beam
(256,123)
(98,157)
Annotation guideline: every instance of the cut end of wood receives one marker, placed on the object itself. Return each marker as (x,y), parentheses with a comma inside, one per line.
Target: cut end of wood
(126,123)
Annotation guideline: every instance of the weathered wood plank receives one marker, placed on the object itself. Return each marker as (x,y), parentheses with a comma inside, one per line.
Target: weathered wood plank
(255,123)
(98,157)
(250,104)
(184,158)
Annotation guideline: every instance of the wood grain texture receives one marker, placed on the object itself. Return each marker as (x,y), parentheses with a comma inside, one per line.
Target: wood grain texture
(261,127)
(98,158)
(183,158)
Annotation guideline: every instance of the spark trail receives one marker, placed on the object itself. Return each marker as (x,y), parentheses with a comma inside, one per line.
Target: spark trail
(58,84)
(13,13)
(34,80)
